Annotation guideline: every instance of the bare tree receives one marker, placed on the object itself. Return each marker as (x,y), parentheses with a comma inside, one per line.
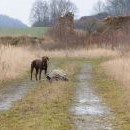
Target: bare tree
(90,26)
(44,12)
(59,8)
(40,13)
(113,7)
(99,7)
(118,7)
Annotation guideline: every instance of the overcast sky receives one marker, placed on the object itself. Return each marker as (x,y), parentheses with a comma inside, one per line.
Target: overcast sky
(20,9)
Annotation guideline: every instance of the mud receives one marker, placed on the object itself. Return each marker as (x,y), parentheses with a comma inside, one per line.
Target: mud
(90,113)
(14,92)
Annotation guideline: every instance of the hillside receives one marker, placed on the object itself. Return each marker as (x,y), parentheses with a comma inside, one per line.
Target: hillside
(99,16)
(86,21)
(8,22)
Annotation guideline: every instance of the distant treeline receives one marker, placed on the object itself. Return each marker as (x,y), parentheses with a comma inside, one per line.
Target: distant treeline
(113,7)
(46,13)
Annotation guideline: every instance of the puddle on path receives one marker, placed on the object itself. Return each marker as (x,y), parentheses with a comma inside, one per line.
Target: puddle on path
(14,92)
(90,113)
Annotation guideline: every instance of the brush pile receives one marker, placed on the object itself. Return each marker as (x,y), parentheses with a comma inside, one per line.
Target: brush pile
(117,21)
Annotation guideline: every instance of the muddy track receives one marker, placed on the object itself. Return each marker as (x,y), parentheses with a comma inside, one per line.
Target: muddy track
(14,92)
(88,109)
(90,113)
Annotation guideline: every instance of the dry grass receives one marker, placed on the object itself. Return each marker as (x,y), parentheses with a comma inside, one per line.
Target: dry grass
(79,53)
(14,61)
(114,95)
(119,69)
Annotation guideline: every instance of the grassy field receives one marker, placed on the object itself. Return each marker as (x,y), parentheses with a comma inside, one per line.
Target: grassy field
(34,31)
(46,107)
(11,68)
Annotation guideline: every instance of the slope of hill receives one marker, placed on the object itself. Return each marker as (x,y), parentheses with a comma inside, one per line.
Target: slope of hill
(86,21)
(99,16)
(8,22)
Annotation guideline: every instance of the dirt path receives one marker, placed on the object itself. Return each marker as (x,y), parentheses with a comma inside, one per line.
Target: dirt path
(89,111)
(18,90)
(14,92)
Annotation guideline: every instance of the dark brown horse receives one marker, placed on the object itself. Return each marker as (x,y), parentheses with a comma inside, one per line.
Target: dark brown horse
(39,65)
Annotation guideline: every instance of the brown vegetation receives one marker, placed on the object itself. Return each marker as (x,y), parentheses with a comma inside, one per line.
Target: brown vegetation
(118,22)
(14,61)
(64,29)
(21,40)
(119,69)
(64,35)
(112,32)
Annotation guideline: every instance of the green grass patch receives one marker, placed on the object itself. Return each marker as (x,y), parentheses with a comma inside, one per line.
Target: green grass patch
(33,31)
